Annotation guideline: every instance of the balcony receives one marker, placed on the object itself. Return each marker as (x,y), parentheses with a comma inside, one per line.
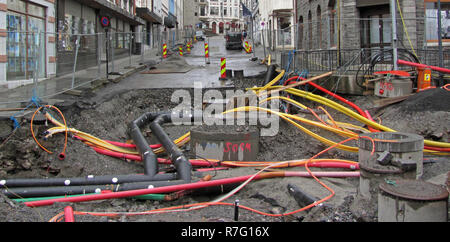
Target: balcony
(170,21)
(114,10)
(148,15)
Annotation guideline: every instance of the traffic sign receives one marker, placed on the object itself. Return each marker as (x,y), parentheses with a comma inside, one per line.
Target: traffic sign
(104,21)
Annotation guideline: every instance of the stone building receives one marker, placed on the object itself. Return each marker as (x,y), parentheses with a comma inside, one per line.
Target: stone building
(221,16)
(350,24)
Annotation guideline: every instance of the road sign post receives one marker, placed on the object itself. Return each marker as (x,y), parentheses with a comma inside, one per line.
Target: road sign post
(106,24)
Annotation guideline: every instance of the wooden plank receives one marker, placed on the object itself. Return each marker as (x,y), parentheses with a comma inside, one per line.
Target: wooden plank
(388,101)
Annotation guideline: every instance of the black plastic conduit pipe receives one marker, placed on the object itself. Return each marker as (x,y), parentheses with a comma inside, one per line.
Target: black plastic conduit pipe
(182,164)
(27,192)
(149,158)
(79,181)
(69,186)
(271,73)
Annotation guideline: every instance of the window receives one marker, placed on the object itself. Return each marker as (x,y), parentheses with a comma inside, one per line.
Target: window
(333,25)
(300,33)
(432,20)
(202,11)
(376,27)
(25,42)
(319,27)
(310,31)
(214,11)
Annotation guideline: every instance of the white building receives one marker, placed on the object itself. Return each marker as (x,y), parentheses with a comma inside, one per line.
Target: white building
(151,12)
(221,16)
(277,17)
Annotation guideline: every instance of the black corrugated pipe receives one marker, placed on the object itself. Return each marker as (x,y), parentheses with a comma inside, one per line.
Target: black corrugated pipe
(271,73)
(182,164)
(69,186)
(88,180)
(149,158)
(177,157)
(26,192)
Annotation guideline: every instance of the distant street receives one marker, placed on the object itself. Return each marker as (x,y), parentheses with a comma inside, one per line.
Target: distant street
(208,75)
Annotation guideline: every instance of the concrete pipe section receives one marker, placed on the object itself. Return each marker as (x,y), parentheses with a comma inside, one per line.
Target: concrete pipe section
(226,142)
(412,201)
(396,155)
(397,87)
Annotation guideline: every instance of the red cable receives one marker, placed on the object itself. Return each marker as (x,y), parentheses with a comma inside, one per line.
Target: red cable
(132,193)
(360,111)
(123,145)
(68,214)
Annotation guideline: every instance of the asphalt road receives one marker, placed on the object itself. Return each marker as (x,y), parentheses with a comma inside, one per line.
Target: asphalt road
(207,74)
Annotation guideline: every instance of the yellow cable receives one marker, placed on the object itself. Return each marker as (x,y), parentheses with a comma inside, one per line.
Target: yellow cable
(286,99)
(351,114)
(310,122)
(406,30)
(352,126)
(273,81)
(285,117)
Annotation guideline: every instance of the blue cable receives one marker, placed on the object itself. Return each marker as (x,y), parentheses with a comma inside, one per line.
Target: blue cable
(34,100)
(290,55)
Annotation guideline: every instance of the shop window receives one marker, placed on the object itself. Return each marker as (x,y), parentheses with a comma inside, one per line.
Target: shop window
(25,42)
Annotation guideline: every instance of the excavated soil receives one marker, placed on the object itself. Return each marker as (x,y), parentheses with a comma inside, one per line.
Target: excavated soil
(108,117)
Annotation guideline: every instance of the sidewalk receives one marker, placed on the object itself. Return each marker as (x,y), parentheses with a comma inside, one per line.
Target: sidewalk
(89,78)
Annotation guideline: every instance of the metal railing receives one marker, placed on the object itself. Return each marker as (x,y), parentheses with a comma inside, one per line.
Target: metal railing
(69,61)
(351,60)
(315,46)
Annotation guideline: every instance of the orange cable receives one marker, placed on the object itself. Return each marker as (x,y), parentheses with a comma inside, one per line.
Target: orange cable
(34,136)
(170,209)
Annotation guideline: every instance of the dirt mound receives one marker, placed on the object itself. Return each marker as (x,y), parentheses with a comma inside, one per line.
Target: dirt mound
(436,99)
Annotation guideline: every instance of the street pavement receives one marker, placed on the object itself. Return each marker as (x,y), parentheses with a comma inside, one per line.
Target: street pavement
(130,77)
(207,74)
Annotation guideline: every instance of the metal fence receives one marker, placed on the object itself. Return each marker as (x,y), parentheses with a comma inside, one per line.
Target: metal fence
(319,46)
(69,61)
(353,60)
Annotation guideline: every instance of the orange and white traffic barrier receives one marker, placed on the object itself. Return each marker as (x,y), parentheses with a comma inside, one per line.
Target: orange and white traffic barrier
(180,50)
(164,51)
(223,68)
(207,53)
(189,47)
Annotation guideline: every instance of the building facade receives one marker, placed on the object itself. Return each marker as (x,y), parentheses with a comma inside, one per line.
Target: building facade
(191,14)
(151,12)
(221,16)
(79,20)
(26,50)
(40,38)
(277,19)
(350,24)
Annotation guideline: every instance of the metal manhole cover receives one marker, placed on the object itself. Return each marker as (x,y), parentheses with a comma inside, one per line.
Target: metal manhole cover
(373,167)
(414,190)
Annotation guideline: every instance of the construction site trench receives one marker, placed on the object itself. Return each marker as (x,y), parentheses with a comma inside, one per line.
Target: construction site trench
(108,118)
